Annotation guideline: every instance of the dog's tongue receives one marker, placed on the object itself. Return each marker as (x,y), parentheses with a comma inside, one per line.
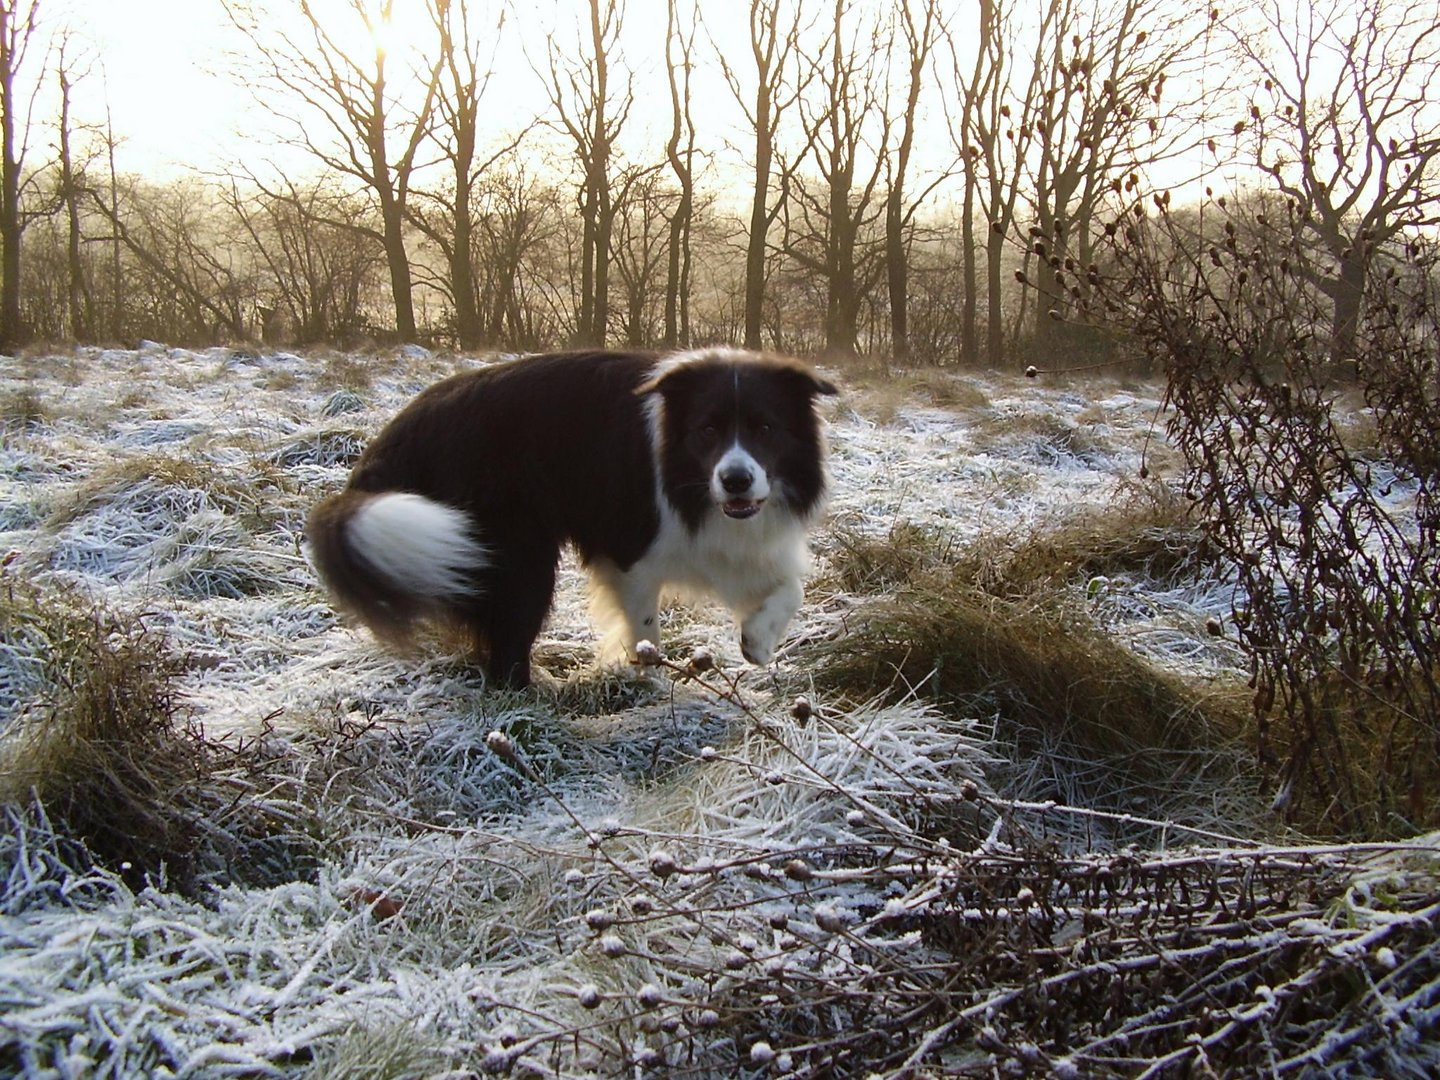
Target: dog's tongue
(741,508)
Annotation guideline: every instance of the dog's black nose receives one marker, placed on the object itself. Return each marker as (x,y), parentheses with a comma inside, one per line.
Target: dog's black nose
(736,481)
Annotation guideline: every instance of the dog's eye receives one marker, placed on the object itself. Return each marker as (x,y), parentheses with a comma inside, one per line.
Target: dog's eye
(709,431)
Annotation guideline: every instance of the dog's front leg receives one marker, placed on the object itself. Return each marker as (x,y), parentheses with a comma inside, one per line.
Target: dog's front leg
(627,606)
(761,630)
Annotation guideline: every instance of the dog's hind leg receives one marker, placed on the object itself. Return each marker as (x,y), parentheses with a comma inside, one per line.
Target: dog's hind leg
(517,598)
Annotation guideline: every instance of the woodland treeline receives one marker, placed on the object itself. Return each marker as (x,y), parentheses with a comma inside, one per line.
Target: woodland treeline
(921,180)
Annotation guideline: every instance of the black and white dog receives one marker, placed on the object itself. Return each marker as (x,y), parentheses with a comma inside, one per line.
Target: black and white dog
(699,471)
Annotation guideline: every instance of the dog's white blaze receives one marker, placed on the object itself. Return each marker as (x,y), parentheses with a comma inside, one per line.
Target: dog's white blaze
(420,545)
(737,457)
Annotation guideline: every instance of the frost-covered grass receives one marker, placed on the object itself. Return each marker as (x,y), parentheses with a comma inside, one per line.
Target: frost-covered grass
(989,813)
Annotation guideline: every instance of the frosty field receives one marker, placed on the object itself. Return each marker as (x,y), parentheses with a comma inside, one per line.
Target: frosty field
(333,861)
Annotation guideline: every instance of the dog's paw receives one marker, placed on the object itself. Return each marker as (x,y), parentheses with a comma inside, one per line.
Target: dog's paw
(757,648)
(760,634)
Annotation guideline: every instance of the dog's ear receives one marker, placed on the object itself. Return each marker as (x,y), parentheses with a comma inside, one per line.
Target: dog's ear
(814,384)
(823,386)
(663,372)
(652,384)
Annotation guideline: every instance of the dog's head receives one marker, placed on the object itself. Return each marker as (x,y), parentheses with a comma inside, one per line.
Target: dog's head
(736,432)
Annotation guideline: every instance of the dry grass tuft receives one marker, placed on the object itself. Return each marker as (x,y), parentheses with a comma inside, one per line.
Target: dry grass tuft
(21,410)
(993,629)
(96,736)
(882,394)
(1149,534)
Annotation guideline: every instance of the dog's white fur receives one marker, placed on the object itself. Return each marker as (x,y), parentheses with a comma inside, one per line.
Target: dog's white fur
(754,567)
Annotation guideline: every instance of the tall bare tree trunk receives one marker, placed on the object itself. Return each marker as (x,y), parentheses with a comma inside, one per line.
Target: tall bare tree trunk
(116,322)
(17,22)
(677,273)
(918,41)
(772,47)
(78,293)
(581,98)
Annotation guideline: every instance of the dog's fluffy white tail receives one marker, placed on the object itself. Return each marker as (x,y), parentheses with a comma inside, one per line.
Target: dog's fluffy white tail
(420,546)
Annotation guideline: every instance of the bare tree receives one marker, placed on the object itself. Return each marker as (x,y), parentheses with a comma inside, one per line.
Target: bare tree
(1100,118)
(581,95)
(1344,124)
(992,134)
(642,234)
(828,230)
(320,275)
(781,75)
(71,189)
(18,22)
(369,134)
(179,248)
(447,217)
(920,31)
(517,220)
(680,152)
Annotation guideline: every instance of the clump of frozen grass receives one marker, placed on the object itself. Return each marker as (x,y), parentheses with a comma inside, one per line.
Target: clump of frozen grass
(331,447)
(342,401)
(163,522)
(394,1051)
(161,486)
(22,409)
(98,739)
(95,737)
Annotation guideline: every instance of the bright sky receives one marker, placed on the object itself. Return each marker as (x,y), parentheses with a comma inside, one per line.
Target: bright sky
(158,63)
(162,65)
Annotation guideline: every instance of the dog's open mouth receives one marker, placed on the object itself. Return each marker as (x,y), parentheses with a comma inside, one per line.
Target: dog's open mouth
(741,508)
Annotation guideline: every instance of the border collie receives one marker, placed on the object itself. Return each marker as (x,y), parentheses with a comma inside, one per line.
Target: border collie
(699,471)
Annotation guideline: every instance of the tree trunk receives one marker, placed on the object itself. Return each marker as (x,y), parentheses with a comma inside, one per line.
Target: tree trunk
(78,293)
(994,298)
(469,330)
(11,331)
(759,218)
(897,268)
(970,301)
(1347,290)
(397,261)
(677,270)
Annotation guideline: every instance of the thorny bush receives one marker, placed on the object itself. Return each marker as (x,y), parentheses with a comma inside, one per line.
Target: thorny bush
(1328,526)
